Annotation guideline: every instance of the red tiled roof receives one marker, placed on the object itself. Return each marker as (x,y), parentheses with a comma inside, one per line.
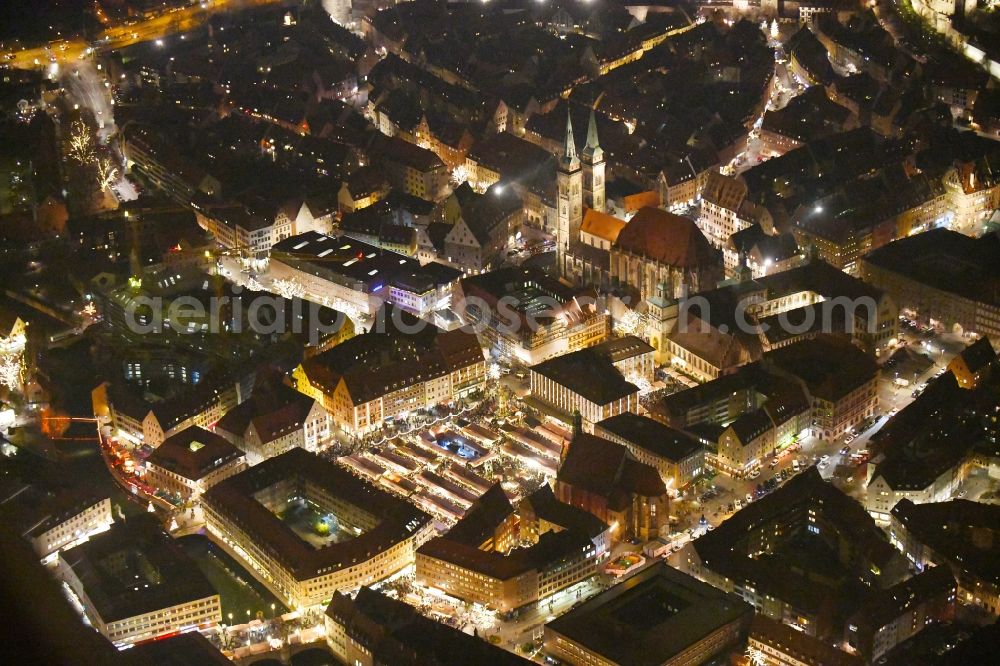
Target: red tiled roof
(667,238)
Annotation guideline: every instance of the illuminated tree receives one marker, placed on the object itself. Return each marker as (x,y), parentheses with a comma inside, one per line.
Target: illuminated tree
(459,175)
(11,366)
(81,143)
(629,324)
(288,288)
(755,657)
(107,173)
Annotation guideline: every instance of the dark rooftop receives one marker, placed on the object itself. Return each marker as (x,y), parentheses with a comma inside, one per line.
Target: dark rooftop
(397,634)
(589,374)
(651,617)
(956,532)
(604,468)
(830,367)
(657,438)
(136,568)
(193,453)
(234,497)
(946,260)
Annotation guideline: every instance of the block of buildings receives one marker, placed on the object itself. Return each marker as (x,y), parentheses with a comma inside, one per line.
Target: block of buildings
(658,616)
(897,613)
(375,629)
(763,253)
(973,190)
(974,364)
(679,457)
(411,168)
(867,214)
(154,159)
(601,477)
(499,558)
(307,528)
(364,187)
(806,118)
(139,421)
(52,518)
(961,536)
(135,584)
(942,278)
(929,448)
(505,156)
(189,462)
(398,367)
(726,211)
(821,386)
(245,232)
(542,512)
(840,380)
(482,227)
(274,420)
(359,278)
(713,331)
(525,316)
(377,226)
(594,381)
(806,554)
(781,645)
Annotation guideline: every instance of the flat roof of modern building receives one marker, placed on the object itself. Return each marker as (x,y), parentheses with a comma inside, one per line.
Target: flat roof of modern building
(351,262)
(945,260)
(651,617)
(136,568)
(655,437)
(33,509)
(589,374)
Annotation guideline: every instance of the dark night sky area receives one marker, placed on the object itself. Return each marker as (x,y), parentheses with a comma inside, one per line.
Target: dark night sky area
(30,19)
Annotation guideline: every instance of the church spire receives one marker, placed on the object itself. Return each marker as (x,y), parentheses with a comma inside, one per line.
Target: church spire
(570,159)
(592,152)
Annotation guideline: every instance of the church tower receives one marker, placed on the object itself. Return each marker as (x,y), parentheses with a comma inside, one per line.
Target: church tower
(569,182)
(593,169)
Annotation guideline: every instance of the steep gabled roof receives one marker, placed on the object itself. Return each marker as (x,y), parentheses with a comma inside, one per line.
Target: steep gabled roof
(667,238)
